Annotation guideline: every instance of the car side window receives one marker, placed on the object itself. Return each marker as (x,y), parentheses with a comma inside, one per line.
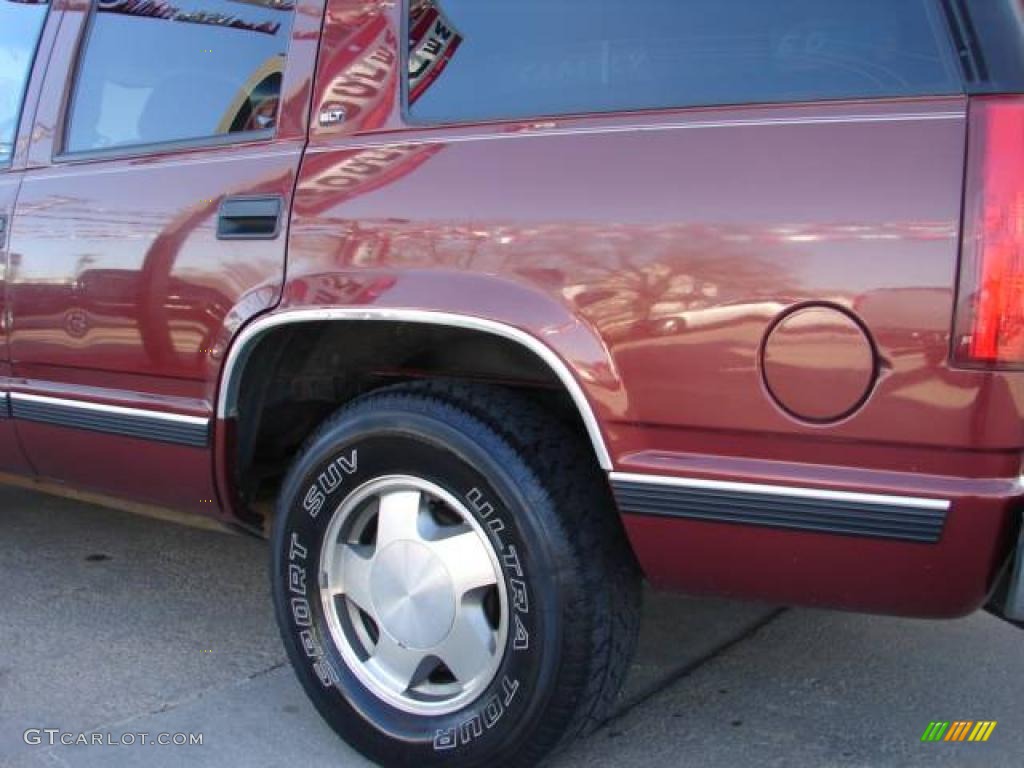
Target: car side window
(491,59)
(153,73)
(21,23)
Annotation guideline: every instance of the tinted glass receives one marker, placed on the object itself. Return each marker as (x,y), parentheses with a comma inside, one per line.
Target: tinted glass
(483,59)
(989,35)
(20,26)
(191,69)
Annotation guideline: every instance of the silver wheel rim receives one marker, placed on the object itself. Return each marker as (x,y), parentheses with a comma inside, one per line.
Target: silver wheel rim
(412,590)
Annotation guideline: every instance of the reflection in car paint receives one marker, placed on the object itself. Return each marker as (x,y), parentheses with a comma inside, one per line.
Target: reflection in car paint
(168,12)
(363,73)
(433,41)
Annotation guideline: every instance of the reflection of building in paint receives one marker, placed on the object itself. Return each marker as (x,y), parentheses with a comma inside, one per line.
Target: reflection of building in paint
(655,280)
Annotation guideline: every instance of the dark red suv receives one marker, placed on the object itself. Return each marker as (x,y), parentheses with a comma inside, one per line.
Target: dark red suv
(485,310)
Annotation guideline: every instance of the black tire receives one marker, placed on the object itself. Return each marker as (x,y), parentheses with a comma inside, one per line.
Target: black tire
(559,535)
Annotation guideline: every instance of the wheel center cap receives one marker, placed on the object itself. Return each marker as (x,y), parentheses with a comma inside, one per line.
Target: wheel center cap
(413,594)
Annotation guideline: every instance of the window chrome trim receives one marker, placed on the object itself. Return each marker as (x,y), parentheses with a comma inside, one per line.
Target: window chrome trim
(243,345)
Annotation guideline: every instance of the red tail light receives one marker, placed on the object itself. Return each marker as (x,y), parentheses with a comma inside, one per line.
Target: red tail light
(990,314)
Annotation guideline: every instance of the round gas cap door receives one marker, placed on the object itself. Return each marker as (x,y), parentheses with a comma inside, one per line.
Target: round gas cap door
(818,363)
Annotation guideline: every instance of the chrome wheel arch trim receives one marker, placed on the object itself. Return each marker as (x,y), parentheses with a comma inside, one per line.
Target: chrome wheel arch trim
(245,342)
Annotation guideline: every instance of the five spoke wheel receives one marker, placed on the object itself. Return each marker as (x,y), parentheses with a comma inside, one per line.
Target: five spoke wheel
(413,594)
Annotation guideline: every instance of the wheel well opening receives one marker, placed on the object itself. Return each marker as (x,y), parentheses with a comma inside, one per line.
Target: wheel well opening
(297,375)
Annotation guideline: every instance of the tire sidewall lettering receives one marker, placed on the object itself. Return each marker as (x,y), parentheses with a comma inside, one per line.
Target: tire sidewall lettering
(322,489)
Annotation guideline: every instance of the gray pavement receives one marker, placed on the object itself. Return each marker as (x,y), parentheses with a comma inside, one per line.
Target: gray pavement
(115,622)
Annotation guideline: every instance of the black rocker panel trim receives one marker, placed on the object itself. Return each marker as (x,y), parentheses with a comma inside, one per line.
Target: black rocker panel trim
(912,521)
(113,421)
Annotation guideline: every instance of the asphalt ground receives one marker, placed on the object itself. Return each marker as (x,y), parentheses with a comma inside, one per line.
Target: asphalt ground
(113,622)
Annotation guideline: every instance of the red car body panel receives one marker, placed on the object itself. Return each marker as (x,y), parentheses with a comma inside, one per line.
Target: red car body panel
(948,578)
(11,456)
(653,253)
(654,263)
(122,293)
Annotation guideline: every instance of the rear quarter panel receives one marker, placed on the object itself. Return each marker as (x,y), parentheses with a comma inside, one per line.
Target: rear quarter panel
(676,240)
(654,252)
